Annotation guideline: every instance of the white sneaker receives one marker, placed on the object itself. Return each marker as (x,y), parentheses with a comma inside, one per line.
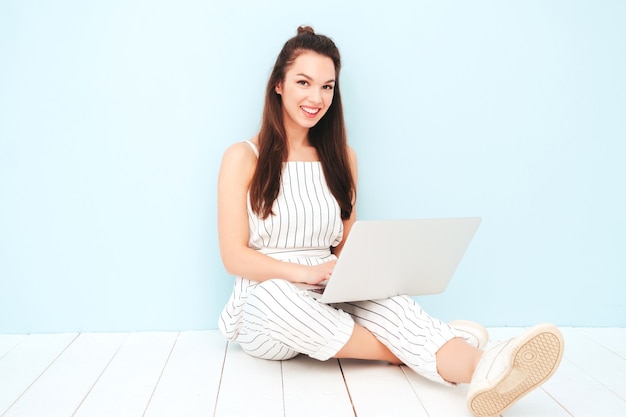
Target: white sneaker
(472,332)
(509,370)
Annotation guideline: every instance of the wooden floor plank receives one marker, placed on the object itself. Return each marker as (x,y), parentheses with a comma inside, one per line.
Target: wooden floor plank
(613,338)
(438,399)
(537,403)
(26,362)
(125,387)
(312,388)
(60,390)
(190,381)
(178,375)
(582,395)
(576,385)
(379,389)
(596,360)
(250,386)
(8,342)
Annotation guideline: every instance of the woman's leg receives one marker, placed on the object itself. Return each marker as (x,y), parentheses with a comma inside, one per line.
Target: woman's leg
(364,345)
(457,360)
(279,321)
(425,344)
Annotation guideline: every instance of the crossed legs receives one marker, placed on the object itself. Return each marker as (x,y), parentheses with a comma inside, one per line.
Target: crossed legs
(456,360)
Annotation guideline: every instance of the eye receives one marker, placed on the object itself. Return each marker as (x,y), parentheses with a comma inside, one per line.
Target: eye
(303,82)
(328,87)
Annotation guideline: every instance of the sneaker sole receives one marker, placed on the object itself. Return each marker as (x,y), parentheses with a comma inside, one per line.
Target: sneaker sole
(534,361)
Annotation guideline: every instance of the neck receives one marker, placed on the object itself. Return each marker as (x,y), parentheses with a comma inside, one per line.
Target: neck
(300,148)
(297,137)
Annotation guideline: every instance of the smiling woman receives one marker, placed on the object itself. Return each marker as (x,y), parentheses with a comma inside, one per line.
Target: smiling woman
(286,204)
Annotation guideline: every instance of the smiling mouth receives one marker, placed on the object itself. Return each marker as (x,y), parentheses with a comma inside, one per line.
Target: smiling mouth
(310,111)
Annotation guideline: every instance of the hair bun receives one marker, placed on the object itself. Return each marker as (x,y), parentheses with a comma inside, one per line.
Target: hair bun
(305,29)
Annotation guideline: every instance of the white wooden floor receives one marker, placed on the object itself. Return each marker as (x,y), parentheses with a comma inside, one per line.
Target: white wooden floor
(198,374)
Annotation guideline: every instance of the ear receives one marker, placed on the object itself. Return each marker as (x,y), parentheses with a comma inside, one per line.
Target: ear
(279,88)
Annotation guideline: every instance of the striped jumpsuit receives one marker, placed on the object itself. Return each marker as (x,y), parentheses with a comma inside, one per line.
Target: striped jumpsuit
(275,320)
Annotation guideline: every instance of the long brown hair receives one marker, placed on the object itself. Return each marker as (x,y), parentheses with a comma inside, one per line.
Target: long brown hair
(328,136)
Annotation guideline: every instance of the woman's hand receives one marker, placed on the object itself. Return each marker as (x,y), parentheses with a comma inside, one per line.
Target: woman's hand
(317,273)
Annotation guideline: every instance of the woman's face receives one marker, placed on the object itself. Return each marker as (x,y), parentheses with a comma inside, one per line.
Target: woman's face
(307,90)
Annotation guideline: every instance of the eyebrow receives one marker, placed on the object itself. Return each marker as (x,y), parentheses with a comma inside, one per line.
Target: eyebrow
(311,79)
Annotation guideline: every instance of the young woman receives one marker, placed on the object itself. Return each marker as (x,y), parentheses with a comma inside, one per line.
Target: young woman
(286,203)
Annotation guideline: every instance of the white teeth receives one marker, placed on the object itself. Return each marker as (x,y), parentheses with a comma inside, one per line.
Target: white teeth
(309,110)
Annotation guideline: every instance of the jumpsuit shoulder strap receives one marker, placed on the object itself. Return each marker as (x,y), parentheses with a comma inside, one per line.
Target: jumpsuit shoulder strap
(253,146)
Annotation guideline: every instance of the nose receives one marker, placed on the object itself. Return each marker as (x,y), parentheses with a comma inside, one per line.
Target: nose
(315,96)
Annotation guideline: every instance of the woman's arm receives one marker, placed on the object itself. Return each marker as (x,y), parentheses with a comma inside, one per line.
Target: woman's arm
(238,164)
(347,224)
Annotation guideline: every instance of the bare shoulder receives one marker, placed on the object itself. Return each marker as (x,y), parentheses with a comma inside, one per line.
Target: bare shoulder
(239,158)
(352,153)
(240,151)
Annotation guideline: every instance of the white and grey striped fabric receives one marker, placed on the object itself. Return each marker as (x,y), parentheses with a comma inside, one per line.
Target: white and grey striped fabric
(306,220)
(275,320)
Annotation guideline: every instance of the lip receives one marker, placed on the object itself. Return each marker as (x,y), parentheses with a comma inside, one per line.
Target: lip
(310,112)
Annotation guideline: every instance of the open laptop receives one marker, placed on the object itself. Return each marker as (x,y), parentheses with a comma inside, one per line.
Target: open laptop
(385,258)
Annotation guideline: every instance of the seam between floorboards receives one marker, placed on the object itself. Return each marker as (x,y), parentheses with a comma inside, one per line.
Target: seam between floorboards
(556,400)
(13,347)
(99,376)
(593,377)
(41,374)
(158,381)
(282,386)
(219,385)
(609,348)
(419,399)
(347,388)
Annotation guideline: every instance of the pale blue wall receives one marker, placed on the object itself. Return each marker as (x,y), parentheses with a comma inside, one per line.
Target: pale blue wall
(113,118)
